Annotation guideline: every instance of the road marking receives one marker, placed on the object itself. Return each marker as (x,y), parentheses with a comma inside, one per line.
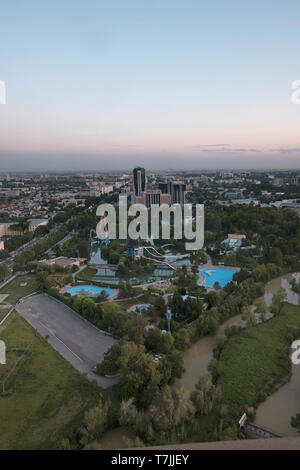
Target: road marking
(79,358)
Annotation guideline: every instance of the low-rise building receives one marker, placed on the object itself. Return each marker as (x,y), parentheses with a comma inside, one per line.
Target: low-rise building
(35,223)
(65,262)
(234,241)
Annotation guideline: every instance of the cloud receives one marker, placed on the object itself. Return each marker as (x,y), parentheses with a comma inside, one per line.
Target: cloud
(223,149)
(211,145)
(248,150)
(234,150)
(286,150)
(124,145)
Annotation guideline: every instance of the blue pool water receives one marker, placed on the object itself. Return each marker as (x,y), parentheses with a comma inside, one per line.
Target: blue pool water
(89,291)
(143,308)
(220,275)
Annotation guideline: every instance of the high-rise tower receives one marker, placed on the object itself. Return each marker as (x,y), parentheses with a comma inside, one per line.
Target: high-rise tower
(139,181)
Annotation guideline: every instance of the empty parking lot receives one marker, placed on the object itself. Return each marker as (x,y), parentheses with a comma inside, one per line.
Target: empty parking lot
(76,339)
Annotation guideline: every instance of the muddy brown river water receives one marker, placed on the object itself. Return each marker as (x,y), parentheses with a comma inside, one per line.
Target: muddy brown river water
(276,411)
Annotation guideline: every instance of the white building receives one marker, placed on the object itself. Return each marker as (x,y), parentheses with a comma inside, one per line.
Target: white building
(35,223)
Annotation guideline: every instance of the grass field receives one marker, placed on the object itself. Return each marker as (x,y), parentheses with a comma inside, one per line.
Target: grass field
(257,359)
(16,291)
(145,298)
(3,312)
(86,274)
(49,396)
(11,360)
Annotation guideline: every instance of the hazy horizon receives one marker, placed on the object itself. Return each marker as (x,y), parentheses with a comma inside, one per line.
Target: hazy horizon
(69,163)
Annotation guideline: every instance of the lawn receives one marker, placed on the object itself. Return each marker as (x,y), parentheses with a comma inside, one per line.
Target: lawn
(12,358)
(143,299)
(3,312)
(16,291)
(86,274)
(48,396)
(257,359)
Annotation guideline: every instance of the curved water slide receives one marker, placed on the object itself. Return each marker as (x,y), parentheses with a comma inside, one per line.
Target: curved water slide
(93,236)
(147,248)
(159,262)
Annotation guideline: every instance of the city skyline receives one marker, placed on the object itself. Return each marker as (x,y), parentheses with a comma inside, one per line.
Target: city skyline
(179,85)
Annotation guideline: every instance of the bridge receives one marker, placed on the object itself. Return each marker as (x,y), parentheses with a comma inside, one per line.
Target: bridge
(257,432)
(254,431)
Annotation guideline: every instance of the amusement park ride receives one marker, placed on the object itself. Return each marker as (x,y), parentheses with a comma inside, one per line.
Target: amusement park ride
(93,234)
(169,317)
(146,252)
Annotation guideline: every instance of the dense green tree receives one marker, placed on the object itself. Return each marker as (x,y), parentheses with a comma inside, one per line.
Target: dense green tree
(278,300)
(206,395)
(295,421)
(135,369)
(4,272)
(137,329)
(114,319)
(172,365)
(182,339)
(94,423)
(4,254)
(158,341)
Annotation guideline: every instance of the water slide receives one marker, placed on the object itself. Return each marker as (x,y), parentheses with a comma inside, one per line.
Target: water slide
(209,272)
(93,236)
(158,261)
(148,248)
(165,256)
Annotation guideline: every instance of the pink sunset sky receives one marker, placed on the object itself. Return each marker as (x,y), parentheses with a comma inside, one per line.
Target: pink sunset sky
(167,84)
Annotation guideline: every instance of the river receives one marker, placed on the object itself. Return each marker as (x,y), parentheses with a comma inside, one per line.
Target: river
(275,412)
(198,356)
(114,439)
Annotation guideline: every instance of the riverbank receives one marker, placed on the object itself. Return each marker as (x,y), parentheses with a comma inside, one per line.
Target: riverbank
(198,356)
(256,361)
(284,400)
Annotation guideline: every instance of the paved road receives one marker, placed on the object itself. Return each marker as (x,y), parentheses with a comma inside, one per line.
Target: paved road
(27,246)
(77,340)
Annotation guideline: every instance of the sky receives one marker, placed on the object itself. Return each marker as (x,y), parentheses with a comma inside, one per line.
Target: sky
(183,84)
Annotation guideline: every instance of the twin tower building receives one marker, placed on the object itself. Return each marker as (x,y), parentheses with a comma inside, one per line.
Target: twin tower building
(170,192)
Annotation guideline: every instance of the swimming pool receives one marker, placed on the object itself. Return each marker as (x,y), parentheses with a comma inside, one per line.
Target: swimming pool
(220,275)
(89,291)
(143,308)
